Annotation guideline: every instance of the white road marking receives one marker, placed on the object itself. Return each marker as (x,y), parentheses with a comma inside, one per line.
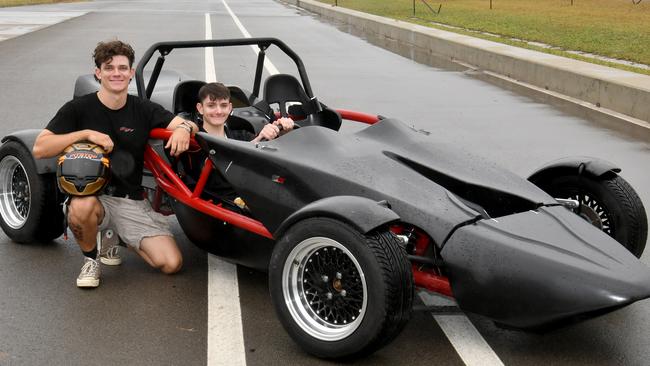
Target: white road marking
(16,23)
(270,68)
(225,333)
(463,336)
(210,72)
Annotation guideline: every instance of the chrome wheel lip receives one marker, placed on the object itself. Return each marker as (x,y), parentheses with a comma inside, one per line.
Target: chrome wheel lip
(9,197)
(295,298)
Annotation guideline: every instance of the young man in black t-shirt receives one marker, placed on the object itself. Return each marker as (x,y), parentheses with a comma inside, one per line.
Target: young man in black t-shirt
(120,123)
(215,107)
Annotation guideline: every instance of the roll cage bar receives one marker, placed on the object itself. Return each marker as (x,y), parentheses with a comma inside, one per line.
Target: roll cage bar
(169,182)
(165,48)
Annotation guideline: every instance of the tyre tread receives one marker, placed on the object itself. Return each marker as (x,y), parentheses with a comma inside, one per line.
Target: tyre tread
(635,215)
(391,255)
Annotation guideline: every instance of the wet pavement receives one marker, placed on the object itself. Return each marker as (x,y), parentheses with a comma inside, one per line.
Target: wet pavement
(141,317)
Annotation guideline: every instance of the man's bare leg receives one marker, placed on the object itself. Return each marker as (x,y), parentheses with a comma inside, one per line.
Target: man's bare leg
(84,215)
(161,252)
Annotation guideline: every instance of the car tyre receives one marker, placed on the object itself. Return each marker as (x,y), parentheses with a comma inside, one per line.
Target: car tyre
(608,202)
(337,292)
(29,211)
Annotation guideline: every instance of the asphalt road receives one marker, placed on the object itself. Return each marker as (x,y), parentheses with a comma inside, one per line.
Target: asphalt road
(140,317)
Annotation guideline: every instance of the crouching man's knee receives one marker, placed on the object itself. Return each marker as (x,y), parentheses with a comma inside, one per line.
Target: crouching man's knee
(161,252)
(172,265)
(84,211)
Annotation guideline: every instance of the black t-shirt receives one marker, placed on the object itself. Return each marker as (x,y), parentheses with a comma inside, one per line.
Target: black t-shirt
(128,127)
(216,186)
(241,135)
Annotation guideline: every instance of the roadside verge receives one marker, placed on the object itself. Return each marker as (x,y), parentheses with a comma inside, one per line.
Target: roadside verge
(620,94)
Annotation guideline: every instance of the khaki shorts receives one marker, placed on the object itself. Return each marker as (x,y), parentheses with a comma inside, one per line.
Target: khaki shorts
(132,220)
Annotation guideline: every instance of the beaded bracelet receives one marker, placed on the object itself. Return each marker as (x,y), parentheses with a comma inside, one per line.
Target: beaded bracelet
(185,127)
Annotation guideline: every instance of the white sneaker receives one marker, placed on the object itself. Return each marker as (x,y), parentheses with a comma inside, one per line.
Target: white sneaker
(109,250)
(89,276)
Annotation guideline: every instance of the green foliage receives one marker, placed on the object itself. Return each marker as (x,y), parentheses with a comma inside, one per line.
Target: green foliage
(612,28)
(6,3)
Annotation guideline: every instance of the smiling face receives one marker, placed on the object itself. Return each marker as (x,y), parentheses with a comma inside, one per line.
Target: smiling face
(115,74)
(215,111)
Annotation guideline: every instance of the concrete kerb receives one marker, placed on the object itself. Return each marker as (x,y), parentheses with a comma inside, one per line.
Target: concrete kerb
(604,89)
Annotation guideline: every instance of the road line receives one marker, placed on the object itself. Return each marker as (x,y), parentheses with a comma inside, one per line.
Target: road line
(225,331)
(210,72)
(270,68)
(463,336)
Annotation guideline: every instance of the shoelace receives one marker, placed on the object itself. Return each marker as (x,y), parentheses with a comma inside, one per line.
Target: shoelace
(89,268)
(112,252)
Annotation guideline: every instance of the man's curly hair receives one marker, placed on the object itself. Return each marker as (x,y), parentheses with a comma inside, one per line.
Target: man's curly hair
(105,51)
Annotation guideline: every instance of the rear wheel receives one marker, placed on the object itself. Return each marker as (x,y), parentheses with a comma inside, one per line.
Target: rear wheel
(340,293)
(29,210)
(607,202)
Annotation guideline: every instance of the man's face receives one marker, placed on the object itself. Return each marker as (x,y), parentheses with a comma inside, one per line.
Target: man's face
(115,74)
(215,112)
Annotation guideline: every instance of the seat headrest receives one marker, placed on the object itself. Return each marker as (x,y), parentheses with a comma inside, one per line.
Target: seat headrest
(283,88)
(186,95)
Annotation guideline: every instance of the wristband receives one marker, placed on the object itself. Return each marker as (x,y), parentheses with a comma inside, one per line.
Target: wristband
(185,127)
(188,125)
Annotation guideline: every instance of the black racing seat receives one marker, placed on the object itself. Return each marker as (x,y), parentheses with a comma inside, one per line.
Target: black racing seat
(287,93)
(285,90)
(186,95)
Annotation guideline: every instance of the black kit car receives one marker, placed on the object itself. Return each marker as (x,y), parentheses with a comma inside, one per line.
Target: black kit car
(348,225)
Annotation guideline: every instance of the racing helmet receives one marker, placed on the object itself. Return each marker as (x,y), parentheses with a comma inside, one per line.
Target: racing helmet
(83,169)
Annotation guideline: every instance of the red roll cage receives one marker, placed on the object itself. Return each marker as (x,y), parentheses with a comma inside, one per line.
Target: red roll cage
(168,181)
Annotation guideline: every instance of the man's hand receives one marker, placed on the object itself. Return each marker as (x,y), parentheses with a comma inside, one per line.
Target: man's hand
(179,141)
(273,130)
(100,139)
(286,123)
(269,132)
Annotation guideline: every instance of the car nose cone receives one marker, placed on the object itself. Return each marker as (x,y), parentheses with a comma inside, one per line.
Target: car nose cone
(542,267)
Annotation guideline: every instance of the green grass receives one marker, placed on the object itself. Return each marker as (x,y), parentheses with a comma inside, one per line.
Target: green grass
(611,28)
(6,3)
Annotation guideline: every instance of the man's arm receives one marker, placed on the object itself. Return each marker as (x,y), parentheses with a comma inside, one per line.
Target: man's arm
(178,121)
(180,139)
(49,144)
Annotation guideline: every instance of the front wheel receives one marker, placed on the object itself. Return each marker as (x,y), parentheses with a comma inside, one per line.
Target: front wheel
(608,202)
(340,293)
(29,210)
